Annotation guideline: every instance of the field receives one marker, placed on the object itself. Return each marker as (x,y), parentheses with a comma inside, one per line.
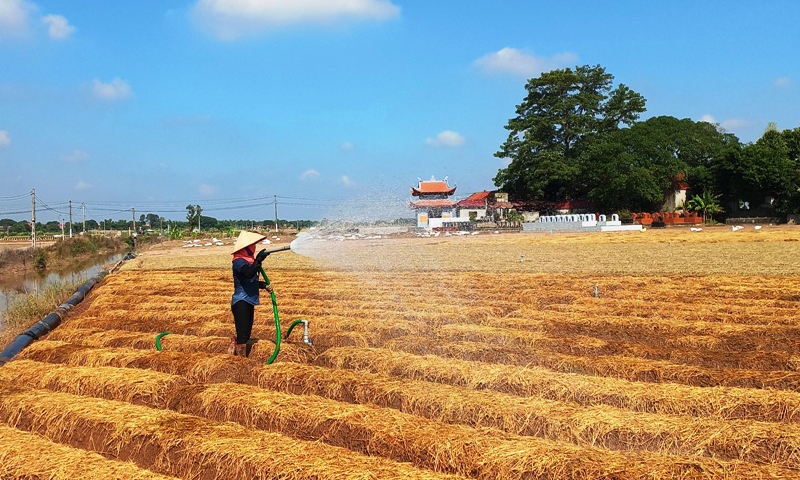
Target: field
(637,355)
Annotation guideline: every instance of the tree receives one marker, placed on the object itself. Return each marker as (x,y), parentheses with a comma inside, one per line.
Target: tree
(193,215)
(561,108)
(20,228)
(707,203)
(762,170)
(633,168)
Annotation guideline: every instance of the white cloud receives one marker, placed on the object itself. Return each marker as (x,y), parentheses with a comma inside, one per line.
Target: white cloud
(58,27)
(347,146)
(517,62)
(782,82)
(81,185)
(76,156)
(446,138)
(14,16)
(708,119)
(206,189)
(734,123)
(116,90)
(5,138)
(347,182)
(309,174)
(726,125)
(233,19)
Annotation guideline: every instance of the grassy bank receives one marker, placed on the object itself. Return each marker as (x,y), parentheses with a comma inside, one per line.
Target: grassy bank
(27,308)
(61,254)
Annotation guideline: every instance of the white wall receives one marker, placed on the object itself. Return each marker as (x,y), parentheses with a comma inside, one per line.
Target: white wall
(464,212)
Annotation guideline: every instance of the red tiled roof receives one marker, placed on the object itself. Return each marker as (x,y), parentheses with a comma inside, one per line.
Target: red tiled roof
(476,200)
(571,204)
(432,203)
(432,187)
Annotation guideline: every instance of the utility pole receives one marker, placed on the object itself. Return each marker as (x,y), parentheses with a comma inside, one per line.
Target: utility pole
(133,218)
(70,219)
(275,201)
(33,217)
(83,211)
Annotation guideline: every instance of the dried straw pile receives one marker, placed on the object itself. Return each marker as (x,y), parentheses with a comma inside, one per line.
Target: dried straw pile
(184,445)
(668,398)
(445,358)
(27,455)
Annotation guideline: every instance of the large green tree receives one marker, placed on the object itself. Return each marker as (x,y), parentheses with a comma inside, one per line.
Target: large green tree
(561,108)
(633,168)
(761,170)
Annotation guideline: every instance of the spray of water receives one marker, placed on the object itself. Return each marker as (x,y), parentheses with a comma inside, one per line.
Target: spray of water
(372,216)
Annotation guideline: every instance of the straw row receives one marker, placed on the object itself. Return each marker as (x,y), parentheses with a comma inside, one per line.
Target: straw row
(761,359)
(667,398)
(290,350)
(628,368)
(483,454)
(185,445)
(195,367)
(30,456)
(599,426)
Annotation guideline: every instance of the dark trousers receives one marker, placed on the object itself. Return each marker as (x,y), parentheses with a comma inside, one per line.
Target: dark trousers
(243,315)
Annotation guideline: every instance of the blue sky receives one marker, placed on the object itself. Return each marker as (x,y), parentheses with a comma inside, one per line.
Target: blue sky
(337,106)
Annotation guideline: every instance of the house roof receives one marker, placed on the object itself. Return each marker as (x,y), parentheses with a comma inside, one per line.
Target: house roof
(440,203)
(572,204)
(432,187)
(476,200)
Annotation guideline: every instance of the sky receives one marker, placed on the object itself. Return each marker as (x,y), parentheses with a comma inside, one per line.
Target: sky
(335,108)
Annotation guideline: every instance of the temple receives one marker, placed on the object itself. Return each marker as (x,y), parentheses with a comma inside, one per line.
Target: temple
(434,205)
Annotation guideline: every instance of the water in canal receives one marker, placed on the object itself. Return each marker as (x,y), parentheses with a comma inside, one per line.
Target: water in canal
(33,283)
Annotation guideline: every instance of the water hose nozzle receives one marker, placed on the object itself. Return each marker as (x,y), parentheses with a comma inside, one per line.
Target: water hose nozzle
(279,249)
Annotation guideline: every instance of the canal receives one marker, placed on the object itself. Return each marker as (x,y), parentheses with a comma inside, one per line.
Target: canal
(32,283)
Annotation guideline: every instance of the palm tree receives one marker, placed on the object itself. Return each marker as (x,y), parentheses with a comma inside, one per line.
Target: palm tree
(707,203)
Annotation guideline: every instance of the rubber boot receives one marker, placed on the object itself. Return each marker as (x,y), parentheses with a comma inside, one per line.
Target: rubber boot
(241,350)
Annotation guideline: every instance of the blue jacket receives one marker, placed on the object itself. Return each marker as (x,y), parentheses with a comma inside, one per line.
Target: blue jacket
(245,282)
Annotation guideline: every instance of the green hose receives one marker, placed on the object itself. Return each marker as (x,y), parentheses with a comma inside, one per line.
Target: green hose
(277,320)
(291,327)
(158,339)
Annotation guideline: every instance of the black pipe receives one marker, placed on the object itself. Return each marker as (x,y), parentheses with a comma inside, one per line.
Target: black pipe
(48,323)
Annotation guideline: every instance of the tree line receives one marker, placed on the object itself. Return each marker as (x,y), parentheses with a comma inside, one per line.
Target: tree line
(577,137)
(146,223)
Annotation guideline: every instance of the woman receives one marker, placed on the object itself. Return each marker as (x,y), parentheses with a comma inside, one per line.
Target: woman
(246,284)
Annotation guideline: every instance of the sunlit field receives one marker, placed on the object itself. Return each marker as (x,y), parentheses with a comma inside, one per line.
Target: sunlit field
(633,355)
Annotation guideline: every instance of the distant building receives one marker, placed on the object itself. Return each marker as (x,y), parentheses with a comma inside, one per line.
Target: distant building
(484,205)
(434,206)
(675,199)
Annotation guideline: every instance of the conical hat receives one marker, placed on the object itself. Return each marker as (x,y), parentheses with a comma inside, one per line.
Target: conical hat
(245,239)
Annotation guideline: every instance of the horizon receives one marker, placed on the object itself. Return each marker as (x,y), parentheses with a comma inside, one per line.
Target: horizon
(335,112)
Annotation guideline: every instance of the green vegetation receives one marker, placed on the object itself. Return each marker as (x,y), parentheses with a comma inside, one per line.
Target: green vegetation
(707,204)
(573,137)
(25,309)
